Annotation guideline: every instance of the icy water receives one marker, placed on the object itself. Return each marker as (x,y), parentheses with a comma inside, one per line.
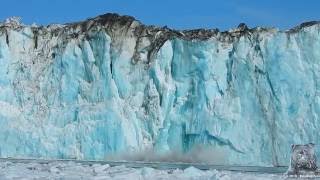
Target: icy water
(68,169)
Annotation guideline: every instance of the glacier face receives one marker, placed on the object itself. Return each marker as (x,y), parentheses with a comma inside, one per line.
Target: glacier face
(111,85)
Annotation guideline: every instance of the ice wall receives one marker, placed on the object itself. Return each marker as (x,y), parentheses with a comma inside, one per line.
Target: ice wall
(112,85)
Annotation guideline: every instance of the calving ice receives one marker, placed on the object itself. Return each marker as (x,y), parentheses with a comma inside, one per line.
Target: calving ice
(112,85)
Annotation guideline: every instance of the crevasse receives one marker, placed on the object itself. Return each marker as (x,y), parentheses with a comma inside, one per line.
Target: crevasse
(97,89)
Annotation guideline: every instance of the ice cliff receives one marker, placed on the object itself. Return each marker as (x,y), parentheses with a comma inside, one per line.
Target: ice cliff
(111,85)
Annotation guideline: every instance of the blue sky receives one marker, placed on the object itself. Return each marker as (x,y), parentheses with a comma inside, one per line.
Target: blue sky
(179,14)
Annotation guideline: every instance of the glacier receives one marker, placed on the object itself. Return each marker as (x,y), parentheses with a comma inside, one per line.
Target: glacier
(111,85)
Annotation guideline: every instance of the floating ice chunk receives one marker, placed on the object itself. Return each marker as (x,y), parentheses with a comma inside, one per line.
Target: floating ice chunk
(100,168)
(193,172)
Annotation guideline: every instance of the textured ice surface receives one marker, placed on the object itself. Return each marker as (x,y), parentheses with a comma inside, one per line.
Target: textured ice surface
(72,170)
(95,90)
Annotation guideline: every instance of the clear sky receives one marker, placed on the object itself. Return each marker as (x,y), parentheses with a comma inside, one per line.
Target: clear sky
(178,14)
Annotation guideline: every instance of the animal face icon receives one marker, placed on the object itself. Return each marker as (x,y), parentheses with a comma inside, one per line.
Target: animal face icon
(303,157)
